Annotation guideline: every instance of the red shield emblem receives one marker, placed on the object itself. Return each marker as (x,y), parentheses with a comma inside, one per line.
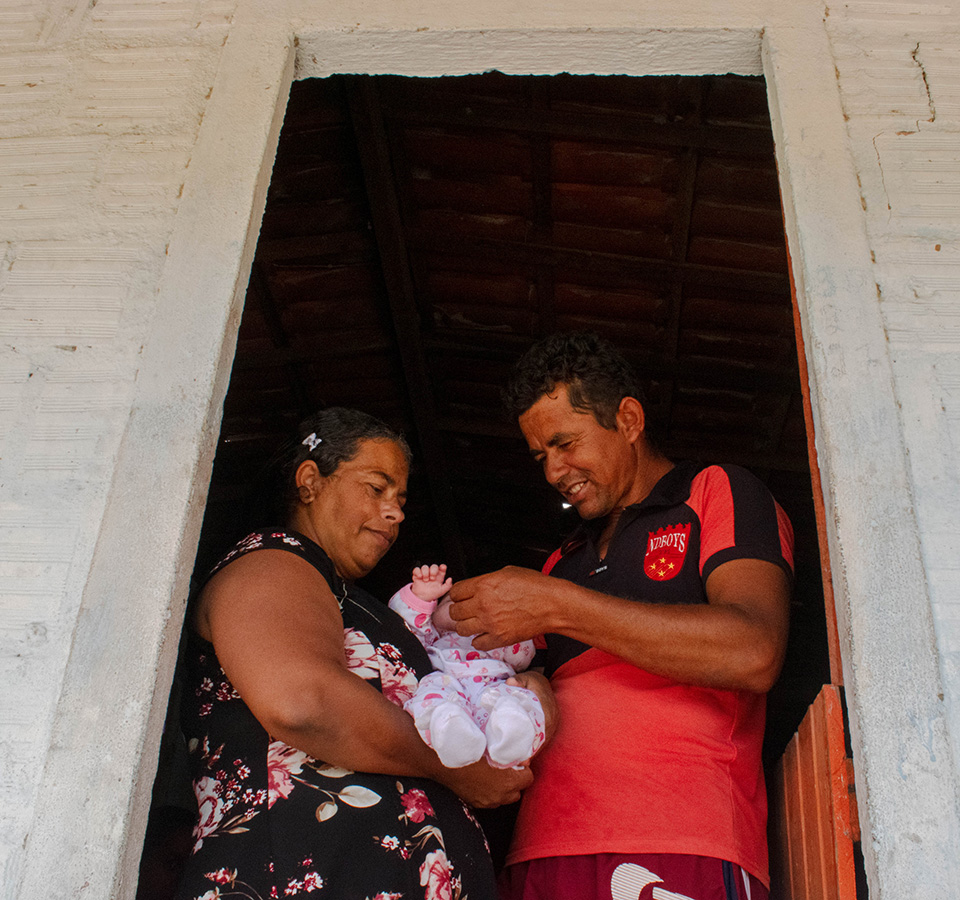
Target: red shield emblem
(666,550)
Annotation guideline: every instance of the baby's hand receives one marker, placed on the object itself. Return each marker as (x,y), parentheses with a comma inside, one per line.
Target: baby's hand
(431,582)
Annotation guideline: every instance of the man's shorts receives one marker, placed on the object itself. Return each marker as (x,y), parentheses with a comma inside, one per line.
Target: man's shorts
(640,876)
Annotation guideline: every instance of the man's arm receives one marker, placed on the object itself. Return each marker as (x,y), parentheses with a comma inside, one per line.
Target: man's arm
(735,641)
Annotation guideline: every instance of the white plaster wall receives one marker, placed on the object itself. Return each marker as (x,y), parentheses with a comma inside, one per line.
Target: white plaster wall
(899,73)
(99,110)
(137,137)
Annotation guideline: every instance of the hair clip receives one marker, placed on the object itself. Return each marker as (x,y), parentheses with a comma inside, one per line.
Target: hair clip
(311,441)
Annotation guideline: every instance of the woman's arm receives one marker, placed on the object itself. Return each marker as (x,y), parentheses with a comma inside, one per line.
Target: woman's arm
(278,633)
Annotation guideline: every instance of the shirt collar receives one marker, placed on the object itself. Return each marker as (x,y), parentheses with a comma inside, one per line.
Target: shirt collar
(671,489)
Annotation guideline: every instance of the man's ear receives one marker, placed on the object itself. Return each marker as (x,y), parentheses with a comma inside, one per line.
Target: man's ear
(631,419)
(309,481)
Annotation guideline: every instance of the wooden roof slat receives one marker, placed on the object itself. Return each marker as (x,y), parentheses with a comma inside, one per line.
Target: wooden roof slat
(658,270)
(603,125)
(367,116)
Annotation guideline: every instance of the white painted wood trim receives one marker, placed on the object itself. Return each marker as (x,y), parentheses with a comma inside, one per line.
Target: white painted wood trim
(95,791)
(907,788)
(532,51)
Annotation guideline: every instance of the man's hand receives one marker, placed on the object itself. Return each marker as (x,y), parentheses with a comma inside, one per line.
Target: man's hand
(502,607)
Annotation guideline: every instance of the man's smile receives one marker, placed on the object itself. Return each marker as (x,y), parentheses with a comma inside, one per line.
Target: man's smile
(570,491)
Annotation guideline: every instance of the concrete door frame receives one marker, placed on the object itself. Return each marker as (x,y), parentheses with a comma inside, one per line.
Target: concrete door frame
(119,671)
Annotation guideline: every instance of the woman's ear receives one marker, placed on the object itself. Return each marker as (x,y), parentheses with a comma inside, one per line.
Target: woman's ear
(309,481)
(631,418)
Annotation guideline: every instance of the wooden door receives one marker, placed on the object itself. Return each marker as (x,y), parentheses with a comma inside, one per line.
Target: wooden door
(813,812)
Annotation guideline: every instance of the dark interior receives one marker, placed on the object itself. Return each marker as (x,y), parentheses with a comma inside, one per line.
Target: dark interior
(419,234)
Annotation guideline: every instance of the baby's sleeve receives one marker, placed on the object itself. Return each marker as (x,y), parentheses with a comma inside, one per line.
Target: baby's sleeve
(416,613)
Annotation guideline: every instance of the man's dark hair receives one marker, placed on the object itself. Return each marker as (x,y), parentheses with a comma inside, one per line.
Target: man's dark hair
(595,372)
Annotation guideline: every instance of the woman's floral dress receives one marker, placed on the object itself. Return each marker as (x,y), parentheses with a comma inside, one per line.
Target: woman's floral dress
(275,822)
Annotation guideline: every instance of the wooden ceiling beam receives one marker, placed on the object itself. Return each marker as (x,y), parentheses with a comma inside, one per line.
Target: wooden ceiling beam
(541,167)
(718,373)
(367,116)
(262,295)
(342,347)
(675,449)
(680,242)
(584,125)
(628,268)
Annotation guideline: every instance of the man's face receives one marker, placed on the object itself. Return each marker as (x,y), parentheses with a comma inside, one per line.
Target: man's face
(593,467)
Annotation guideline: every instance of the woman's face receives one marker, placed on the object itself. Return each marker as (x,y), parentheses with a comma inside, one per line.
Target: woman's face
(355,513)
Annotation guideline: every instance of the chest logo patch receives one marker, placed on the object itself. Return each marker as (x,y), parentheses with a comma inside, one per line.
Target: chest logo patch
(666,550)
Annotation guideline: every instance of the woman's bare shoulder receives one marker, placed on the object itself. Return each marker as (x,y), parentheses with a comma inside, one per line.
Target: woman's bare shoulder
(258,583)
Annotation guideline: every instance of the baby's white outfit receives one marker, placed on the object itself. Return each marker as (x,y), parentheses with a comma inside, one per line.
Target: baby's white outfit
(465,709)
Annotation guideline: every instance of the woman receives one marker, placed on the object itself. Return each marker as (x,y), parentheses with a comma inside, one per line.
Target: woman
(308,773)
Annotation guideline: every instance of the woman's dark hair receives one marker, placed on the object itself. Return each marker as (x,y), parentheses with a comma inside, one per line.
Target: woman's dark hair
(329,438)
(595,372)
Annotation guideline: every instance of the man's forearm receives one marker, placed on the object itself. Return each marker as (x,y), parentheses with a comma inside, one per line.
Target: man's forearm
(735,641)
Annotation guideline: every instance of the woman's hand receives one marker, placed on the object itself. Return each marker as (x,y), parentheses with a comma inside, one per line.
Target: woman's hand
(538,683)
(482,786)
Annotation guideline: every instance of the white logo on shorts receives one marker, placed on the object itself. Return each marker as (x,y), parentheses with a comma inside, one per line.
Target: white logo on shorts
(629,880)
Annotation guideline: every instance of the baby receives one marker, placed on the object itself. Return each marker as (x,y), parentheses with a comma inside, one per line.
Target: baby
(465,709)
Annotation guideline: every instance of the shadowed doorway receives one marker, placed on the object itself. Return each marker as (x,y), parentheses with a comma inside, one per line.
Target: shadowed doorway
(421,233)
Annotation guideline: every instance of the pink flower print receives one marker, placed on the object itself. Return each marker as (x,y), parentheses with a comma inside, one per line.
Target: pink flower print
(273,893)
(397,683)
(383,895)
(361,657)
(222,876)
(390,842)
(226,691)
(211,895)
(416,805)
(208,792)
(312,882)
(206,709)
(472,654)
(391,651)
(435,877)
(283,761)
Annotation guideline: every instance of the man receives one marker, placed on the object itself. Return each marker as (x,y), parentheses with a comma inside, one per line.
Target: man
(665,616)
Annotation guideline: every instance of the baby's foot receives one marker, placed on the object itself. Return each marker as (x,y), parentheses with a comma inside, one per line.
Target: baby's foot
(455,737)
(511,733)
(431,582)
